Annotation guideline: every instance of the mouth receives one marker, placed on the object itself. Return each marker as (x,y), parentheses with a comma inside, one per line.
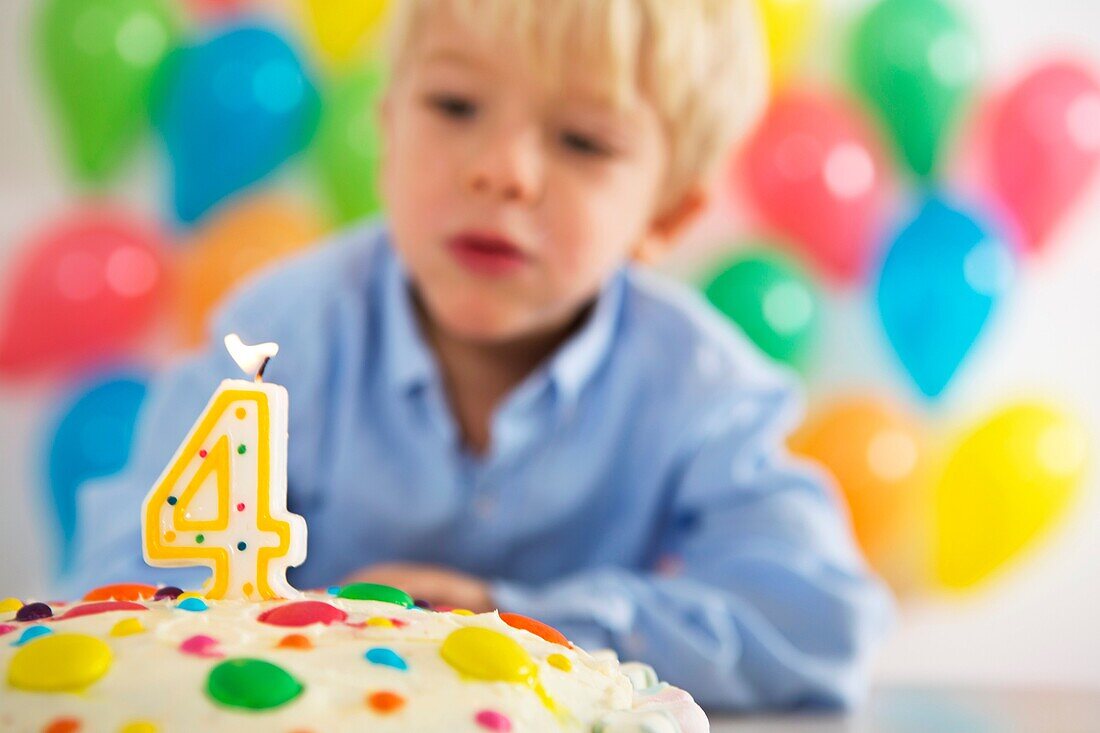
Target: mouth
(486,253)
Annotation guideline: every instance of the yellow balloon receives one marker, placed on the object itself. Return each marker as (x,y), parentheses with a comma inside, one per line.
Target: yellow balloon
(787,25)
(1004,485)
(341,27)
(234,244)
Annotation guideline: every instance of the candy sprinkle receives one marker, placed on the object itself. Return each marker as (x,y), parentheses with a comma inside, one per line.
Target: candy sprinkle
(376,592)
(139,726)
(302,613)
(386,657)
(295,641)
(127,627)
(252,684)
(169,591)
(33,612)
(121,592)
(559,661)
(32,632)
(385,702)
(8,605)
(494,721)
(194,605)
(59,663)
(62,725)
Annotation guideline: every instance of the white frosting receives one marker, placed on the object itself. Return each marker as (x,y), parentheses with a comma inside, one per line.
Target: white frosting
(151,679)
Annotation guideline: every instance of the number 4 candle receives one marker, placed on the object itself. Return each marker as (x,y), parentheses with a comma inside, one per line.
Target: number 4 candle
(221,502)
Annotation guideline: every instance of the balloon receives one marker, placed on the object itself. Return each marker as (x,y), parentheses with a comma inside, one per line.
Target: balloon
(215,8)
(85,288)
(787,23)
(348,146)
(940,281)
(883,464)
(232,244)
(771,299)
(231,110)
(916,62)
(340,27)
(98,58)
(91,440)
(1045,145)
(813,170)
(1004,485)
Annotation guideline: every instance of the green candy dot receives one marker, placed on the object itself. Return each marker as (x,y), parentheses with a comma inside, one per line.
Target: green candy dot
(376,592)
(252,684)
(200,539)
(241,449)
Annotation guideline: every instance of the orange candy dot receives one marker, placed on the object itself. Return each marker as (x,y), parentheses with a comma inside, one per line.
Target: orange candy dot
(121,592)
(385,701)
(62,725)
(295,641)
(538,628)
(240,413)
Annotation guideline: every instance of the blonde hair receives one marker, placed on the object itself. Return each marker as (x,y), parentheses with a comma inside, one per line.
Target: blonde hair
(701,63)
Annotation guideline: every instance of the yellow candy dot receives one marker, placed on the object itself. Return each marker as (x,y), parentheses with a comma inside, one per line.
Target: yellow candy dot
(170,536)
(59,663)
(240,413)
(127,627)
(247,588)
(462,611)
(559,661)
(379,621)
(10,604)
(139,726)
(491,656)
(190,594)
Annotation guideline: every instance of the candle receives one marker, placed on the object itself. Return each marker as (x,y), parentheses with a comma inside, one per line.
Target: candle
(221,502)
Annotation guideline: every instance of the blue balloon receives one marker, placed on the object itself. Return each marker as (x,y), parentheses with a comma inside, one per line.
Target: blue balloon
(940,281)
(231,110)
(92,440)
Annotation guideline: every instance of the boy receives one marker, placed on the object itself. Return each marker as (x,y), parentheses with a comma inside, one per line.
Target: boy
(491,408)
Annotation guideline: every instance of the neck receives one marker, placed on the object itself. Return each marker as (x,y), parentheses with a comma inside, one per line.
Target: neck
(478,374)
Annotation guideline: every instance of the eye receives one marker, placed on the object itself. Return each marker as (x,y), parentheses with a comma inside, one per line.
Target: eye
(585,144)
(453,106)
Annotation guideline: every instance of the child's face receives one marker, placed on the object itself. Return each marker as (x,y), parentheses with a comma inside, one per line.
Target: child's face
(511,206)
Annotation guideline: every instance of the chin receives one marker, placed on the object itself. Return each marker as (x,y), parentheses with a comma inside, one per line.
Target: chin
(479,321)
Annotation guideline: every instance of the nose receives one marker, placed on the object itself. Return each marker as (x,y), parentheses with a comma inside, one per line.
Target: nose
(508,167)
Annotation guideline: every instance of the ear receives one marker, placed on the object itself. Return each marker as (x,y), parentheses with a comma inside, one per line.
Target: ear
(664,232)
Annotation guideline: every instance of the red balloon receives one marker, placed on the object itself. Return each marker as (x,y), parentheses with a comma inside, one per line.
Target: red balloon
(83,289)
(814,170)
(1045,145)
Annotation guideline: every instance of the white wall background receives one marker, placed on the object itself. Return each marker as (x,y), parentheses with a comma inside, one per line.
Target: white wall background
(1038,624)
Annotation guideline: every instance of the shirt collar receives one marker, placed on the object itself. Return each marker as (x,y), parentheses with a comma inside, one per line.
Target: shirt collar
(411,365)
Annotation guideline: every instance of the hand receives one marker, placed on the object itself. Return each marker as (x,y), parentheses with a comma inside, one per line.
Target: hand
(440,586)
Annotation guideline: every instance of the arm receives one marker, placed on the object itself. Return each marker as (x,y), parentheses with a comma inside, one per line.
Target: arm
(770,605)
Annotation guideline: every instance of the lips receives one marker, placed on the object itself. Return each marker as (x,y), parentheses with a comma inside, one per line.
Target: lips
(487,254)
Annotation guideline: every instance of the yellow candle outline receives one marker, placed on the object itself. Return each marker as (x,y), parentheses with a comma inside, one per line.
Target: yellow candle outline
(155,547)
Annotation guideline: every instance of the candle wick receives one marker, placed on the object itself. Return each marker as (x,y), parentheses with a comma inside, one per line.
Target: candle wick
(260,374)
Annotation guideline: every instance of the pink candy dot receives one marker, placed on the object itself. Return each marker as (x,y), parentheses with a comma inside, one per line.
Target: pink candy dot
(201,646)
(492,720)
(5,628)
(91,609)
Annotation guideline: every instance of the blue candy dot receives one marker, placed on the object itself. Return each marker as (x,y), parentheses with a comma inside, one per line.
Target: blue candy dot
(192,604)
(386,657)
(241,546)
(32,632)
(333,590)
(172,500)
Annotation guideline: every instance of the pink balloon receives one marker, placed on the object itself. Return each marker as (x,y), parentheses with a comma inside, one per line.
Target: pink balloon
(814,170)
(83,289)
(1045,145)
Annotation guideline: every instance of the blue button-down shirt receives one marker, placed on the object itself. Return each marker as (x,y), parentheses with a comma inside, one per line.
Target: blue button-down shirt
(636,493)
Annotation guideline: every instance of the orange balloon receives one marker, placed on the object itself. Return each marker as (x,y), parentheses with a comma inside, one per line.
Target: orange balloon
(881,461)
(233,245)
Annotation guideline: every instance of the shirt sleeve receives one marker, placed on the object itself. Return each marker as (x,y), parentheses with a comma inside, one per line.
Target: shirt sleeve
(761,600)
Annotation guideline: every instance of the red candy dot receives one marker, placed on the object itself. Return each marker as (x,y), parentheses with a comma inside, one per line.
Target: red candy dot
(202,453)
(62,725)
(240,507)
(90,609)
(302,613)
(494,721)
(121,592)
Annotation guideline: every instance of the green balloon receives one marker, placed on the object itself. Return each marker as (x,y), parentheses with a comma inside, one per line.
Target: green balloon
(349,145)
(97,59)
(916,62)
(770,298)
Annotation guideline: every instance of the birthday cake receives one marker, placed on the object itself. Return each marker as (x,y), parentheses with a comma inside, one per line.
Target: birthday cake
(137,659)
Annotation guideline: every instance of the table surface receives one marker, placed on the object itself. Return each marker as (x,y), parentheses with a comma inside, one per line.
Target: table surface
(941,710)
